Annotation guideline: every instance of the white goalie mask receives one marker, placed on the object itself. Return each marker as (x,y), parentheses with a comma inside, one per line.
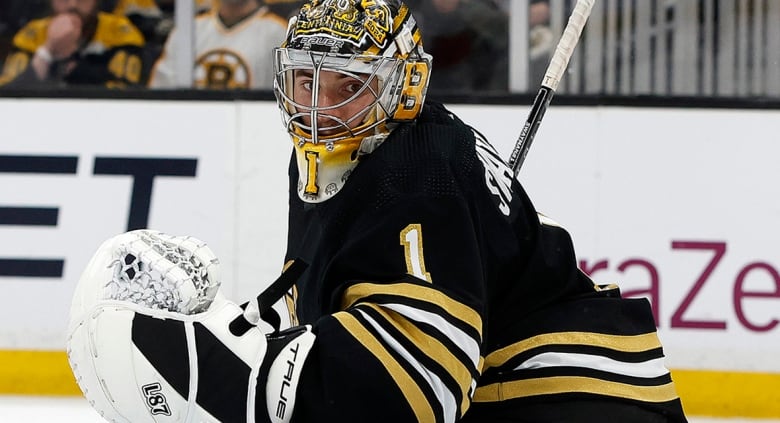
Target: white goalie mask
(348,71)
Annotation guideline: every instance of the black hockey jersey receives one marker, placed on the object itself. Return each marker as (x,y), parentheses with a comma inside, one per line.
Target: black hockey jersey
(438,294)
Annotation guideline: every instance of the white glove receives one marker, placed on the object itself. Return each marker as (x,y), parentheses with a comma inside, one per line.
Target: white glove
(149,338)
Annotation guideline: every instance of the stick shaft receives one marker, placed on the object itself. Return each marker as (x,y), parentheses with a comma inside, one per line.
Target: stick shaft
(555,71)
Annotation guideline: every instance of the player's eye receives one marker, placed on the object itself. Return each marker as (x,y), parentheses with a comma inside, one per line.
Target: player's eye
(305,84)
(353,86)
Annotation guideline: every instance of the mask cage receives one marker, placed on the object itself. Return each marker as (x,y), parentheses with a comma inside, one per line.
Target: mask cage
(387,71)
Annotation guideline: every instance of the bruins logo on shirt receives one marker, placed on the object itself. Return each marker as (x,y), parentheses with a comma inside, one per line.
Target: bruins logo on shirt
(222,69)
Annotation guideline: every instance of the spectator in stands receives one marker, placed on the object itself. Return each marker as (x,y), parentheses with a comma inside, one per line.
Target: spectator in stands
(76,45)
(470,43)
(541,40)
(154,18)
(233,48)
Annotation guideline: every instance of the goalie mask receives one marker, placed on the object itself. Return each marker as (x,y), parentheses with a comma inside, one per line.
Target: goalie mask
(348,72)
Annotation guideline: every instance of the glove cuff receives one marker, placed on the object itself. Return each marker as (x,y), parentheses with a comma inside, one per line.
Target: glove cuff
(281,371)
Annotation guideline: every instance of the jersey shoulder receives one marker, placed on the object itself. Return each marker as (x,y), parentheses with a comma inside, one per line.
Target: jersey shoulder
(32,35)
(434,156)
(450,147)
(438,139)
(117,31)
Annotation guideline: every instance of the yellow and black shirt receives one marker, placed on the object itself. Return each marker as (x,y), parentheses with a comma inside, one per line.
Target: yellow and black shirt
(112,57)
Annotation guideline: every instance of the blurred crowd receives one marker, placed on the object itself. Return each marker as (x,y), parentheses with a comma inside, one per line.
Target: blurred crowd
(132,43)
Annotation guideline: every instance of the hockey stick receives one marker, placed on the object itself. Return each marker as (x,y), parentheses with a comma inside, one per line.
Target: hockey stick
(552,77)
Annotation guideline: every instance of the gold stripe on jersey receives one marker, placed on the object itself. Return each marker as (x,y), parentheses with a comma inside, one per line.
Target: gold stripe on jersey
(411,391)
(571,384)
(291,298)
(460,311)
(624,343)
(433,348)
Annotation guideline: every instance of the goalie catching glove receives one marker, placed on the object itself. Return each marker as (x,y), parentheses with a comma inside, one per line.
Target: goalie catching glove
(151,339)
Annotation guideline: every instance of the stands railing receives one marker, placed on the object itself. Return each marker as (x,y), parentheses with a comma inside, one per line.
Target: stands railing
(721,48)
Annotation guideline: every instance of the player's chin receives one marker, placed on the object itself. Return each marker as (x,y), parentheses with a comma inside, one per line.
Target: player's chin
(330,133)
(331,130)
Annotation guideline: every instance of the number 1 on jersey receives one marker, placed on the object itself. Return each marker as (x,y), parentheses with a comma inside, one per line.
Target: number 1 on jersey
(411,239)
